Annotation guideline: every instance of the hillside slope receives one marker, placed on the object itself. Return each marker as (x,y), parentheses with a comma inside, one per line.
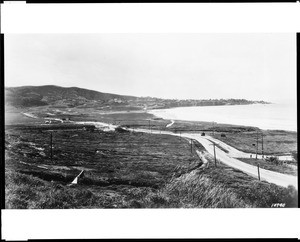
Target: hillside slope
(28,96)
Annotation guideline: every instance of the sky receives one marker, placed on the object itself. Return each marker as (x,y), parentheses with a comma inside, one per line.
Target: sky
(259,66)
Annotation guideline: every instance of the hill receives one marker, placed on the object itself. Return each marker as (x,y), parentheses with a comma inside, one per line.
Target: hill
(56,96)
(28,96)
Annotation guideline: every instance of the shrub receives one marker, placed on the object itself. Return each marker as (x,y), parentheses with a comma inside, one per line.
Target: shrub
(274,160)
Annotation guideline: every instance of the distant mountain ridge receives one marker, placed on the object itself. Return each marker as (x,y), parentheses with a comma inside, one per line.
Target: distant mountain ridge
(30,96)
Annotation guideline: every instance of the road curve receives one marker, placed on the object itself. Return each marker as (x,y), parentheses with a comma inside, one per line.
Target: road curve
(266,175)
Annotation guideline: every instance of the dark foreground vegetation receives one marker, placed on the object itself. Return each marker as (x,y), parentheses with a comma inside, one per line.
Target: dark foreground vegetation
(123,170)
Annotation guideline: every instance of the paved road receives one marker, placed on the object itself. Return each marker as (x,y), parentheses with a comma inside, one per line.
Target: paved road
(226,158)
(230,159)
(233,152)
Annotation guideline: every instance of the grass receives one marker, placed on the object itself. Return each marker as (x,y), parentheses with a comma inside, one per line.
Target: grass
(189,190)
(116,157)
(195,189)
(132,118)
(275,142)
(241,137)
(221,148)
(111,160)
(130,169)
(253,192)
(26,191)
(268,165)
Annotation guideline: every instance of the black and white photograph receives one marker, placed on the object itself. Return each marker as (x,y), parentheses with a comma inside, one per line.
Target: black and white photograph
(146,120)
(150,121)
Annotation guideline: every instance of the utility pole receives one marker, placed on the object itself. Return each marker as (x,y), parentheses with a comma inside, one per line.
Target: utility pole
(214,144)
(262,145)
(256,144)
(215,154)
(258,172)
(51,146)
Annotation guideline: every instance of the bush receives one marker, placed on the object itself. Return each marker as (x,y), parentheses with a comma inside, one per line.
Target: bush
(197,190)
(274,160)
(25,191)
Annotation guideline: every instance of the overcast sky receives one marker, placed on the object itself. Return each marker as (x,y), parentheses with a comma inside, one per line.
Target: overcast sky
(196,66)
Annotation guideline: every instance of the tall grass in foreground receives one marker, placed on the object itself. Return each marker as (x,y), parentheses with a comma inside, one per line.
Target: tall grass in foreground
(193,190)
(196,189)
(252,191)
(25,191)
(216,188)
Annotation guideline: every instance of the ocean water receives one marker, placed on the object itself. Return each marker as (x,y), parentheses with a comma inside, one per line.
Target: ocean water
(265,116)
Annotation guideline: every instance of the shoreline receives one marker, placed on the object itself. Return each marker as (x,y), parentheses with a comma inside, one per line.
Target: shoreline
(221,124)
(239,136)
(173,117)
(156,118)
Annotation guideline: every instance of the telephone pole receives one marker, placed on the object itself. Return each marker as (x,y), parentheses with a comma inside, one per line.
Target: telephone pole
(258,172)
(214,144)
(215,154)
(256,144)
(262,145)
(51,156)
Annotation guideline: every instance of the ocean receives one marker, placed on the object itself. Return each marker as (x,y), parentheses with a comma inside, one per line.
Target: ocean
(265,116)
